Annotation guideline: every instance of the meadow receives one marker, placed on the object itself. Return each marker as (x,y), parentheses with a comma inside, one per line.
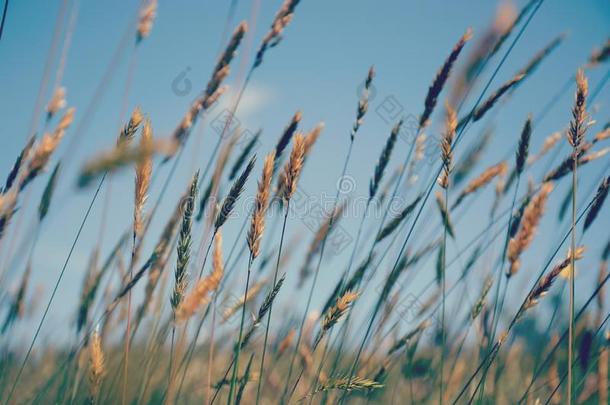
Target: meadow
(451,276)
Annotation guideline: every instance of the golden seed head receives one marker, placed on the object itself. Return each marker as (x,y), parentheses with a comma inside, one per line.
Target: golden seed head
(143,177)
(446,144)
(57,102)
(531,217)
(579,122)
(313,136)
(257,225)
(97,367)
(147,17)
(292,170)
(339,309)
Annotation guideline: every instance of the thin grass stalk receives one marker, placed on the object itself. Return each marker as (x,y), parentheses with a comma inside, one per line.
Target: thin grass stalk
(600,361)
(316,376)
(464,272)
(53,293)
(150,216)
(101,273)
(601,84)
(200,296)
(275,274)
(102,317)
(126,345)
(146,375)
(142,184)
(521,159)
(600,358)
(263,309)
(13,313)
(183,251)
(186,361)
(564,375)
(540,367)
(223,134)
(72,353)
(316,343)
(226,126)
(429,105)
(171,357)
(379,230)
(459,135)
(572,285)
(157,261)
(361,347)
(426,197)
(463,275)
(403,263)
(498,309)
(253,239)
(210,357)
(540,289)
(240,335)
(125,138)
(447,158)
(287,188)
(392,277)
(342,340)
(89,111)
(358,234)
(578,127)
(149,345)
(221,217)
(488,359)
(318,266)
(288,8)
(341,305)
(460,347)
(302,371)
(444,298)
(373,188)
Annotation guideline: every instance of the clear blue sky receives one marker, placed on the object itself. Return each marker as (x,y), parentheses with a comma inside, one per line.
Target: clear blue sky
(317,69)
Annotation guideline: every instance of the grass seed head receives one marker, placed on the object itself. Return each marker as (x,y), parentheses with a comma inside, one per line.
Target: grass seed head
(293,168)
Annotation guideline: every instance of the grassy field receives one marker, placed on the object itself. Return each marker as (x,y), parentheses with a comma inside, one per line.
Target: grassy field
(199,313)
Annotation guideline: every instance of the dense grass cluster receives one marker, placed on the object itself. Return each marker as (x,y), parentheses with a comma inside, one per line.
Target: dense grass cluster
(185,341)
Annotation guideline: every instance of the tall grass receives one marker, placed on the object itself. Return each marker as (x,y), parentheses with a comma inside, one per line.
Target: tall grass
(393,319)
